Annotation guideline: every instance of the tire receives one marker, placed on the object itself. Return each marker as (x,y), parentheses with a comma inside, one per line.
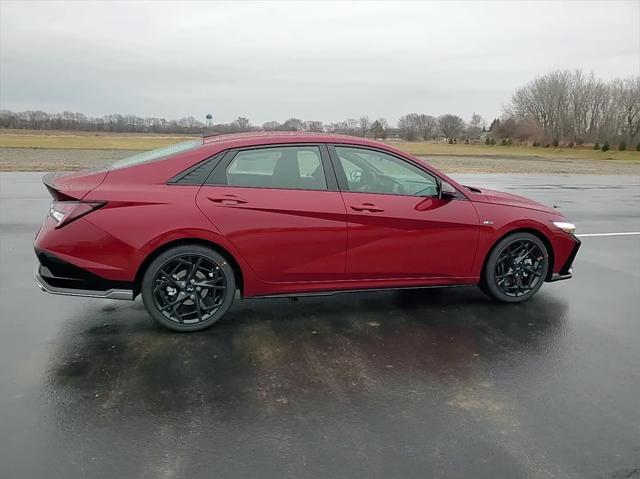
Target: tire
(188,288)
(511,276)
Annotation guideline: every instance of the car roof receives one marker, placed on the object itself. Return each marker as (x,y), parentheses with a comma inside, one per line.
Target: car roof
(238,140)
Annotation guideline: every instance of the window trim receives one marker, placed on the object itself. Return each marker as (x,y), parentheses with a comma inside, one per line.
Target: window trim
(218,176)
(210,162)
(343,183)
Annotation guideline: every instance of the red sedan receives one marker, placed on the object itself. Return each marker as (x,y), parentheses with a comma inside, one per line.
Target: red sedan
(287,214)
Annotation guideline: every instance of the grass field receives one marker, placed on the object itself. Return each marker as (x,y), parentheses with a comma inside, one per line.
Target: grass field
(87,142)
(128,141)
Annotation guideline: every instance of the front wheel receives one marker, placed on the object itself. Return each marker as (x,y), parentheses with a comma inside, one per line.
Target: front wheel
(516,268)
(188,288)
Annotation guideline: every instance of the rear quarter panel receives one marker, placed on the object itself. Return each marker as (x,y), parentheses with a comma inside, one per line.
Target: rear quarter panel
(142,216)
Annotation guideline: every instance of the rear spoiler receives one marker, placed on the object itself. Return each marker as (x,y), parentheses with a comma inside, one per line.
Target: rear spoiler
(73,186)
(49,181)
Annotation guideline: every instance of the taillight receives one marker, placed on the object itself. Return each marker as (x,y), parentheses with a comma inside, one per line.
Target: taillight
(64,212)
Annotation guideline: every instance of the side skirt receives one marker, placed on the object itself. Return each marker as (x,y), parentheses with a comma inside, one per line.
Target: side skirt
(357,290)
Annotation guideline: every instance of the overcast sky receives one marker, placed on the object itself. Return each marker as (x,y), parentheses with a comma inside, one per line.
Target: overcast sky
(323,61)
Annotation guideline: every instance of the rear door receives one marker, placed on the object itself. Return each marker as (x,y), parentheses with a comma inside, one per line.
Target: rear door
(281,208)
(398,226)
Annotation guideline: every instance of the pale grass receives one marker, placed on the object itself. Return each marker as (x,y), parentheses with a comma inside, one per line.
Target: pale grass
(128,141)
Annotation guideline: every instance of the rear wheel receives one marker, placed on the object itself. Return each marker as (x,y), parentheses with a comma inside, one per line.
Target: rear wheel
(516,268)
(188,288)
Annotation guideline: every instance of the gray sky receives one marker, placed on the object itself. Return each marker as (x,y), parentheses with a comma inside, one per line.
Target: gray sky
(322,61)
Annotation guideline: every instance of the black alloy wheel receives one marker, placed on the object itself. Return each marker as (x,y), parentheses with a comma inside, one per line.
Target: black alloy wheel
(188,288)
(516,268)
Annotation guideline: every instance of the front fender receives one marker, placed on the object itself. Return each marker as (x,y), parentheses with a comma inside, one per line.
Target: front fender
(497,221)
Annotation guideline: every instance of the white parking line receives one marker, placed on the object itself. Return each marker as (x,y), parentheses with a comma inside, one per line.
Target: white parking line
(628,233)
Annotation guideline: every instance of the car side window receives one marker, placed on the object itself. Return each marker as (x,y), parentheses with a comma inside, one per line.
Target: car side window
(371,171)
(290,167)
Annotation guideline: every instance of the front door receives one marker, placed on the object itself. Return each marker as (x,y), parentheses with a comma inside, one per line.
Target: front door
(398,226)
(280,211)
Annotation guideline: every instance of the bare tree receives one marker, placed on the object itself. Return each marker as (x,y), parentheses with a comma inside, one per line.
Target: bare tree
(450,126)
(315,126)
(379,128)
(427,125)
(364,124)
(475,126)
(346,127)
(626,98)
(409,126)
(293,124)
(271,126)
(575,106)
(241,124)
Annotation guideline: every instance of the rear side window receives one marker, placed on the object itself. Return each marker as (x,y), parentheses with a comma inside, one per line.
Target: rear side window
(291,167)
(155,154)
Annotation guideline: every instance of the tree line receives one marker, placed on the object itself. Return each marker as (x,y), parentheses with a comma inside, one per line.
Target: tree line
(574,107)
(562,107)
(411,127)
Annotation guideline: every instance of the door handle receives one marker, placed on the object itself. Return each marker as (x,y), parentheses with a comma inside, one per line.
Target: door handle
(227,200)
(366,207)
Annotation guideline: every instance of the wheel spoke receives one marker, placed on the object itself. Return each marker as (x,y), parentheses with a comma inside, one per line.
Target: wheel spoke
(510,273)
(209,285)
(198,310)
(194,268)
(519,267)
(532,271)
(174,303)
(199,284)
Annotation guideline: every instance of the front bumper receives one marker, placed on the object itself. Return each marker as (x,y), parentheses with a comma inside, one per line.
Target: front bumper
(56,276)
(566,271)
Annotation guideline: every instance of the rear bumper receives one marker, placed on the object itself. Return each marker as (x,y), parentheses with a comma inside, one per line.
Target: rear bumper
(56,276)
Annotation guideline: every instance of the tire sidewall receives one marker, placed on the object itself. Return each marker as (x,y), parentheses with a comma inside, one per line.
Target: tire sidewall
(146,288)
(489,284)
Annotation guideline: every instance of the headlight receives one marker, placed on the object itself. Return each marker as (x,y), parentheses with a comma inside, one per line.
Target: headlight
(566,227)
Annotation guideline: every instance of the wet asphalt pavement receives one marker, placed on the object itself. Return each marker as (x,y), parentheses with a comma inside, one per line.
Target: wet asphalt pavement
(432,383)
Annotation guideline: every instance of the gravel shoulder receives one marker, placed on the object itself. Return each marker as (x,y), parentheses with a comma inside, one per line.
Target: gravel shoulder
(57,159)
(512,164)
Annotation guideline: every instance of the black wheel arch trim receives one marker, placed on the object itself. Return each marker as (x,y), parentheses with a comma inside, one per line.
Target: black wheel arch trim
(235,265)
(539,234)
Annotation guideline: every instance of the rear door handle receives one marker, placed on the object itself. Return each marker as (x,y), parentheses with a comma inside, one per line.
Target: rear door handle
(227,200)
(366,207)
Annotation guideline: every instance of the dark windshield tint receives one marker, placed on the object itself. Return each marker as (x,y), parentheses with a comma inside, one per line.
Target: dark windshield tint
(155,154)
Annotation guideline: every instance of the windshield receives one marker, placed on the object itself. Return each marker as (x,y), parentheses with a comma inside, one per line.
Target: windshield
(155,154)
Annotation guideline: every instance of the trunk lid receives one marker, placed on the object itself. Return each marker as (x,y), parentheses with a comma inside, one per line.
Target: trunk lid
(75,185)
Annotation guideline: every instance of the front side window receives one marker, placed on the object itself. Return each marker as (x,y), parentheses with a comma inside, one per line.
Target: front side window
(370,171)
(290,167)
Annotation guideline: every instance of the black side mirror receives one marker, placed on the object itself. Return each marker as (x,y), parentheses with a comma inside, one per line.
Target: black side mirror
(447,191)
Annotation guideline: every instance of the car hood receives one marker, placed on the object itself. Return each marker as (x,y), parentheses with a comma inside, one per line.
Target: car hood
(509,199)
